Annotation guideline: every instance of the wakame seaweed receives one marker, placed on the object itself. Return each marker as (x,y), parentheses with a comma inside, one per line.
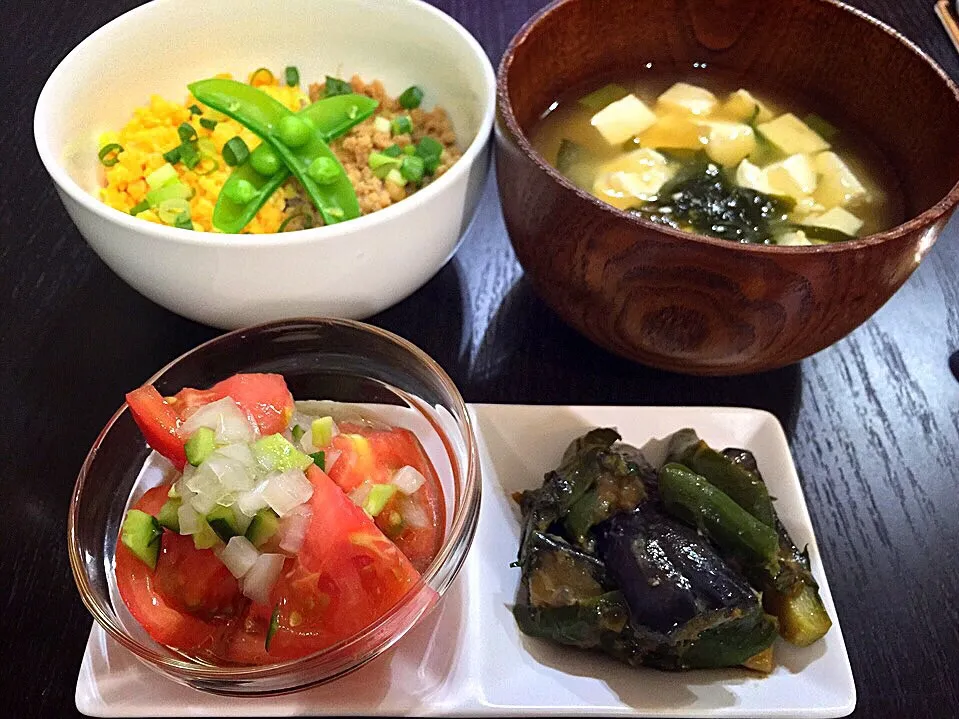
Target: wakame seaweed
(701,197)
(606,567)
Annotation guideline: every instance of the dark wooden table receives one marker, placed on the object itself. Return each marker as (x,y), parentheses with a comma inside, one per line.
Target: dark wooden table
(873,421)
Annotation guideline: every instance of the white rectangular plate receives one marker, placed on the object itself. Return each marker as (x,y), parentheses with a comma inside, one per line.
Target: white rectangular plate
(469,659)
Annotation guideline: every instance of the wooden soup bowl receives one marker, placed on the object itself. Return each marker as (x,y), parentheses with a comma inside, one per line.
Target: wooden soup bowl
(694,304)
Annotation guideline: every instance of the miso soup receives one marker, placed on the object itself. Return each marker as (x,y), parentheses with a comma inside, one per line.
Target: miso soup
(721,160)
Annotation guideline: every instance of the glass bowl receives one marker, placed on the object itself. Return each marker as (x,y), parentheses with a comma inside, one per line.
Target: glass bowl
(330,359)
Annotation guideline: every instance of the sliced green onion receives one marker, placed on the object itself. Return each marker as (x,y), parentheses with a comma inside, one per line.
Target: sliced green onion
(108,154)
(293,131)
(183,221)
(172,156)
(189,155)
(264,160)
(170,210)
(381,124)
(213,165)
(409,150)
(335,86)
(172,191)
(241,191)
(140,207)
(401,124)
(292,76)
(393,150)
(261,76)
(412,168)
(205,146)
(430,150)
(196,110)
(163,175)
(235,151)
(411,97)
(381,164)
(307,222)
(323,170)
(396,177)
(208,123)
(187,132)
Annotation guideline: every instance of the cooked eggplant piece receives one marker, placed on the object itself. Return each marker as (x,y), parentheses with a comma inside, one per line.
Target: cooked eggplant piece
(675,583)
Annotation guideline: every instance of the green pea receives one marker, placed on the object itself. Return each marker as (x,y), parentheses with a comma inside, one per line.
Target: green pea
(264,160)
(241,191)
(293,131)
(323,170)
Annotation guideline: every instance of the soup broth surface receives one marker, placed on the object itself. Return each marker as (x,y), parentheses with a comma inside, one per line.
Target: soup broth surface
(705,153)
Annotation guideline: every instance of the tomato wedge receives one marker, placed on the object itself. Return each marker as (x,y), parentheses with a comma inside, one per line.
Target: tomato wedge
(346,575)
(138,588)
(158,422)
(374,455)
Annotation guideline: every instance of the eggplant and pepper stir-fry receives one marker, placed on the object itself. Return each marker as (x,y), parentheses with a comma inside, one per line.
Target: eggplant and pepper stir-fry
(686,567)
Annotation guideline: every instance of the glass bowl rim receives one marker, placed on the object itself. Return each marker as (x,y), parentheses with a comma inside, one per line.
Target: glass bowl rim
(444,567)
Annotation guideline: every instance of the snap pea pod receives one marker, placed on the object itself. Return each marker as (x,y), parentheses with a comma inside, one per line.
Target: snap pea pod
(331,117)
(296,143)
(691,498)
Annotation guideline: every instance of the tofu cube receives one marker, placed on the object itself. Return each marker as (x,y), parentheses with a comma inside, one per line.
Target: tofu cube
(836,219)
(742,105)
(728,142)
(795,176)
(752,177)
(636,176)
(685,98)
(838,185)
(793,239)
(792,135)
(623,119)
(674,132)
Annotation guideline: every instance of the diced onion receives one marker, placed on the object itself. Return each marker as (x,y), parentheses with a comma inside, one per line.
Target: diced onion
(260,578)
(203,503)
(189,519)
(413,514)
(293,527)
(240,452)
(232,474)
(226,419)
(239,555)
(249,503)
(359,493)
(284,491)
(306,442)
(407,479)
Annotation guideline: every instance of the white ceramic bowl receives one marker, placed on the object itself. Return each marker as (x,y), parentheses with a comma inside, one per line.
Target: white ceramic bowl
(350,270)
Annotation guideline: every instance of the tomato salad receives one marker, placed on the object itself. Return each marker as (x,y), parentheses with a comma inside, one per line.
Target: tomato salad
(281,533)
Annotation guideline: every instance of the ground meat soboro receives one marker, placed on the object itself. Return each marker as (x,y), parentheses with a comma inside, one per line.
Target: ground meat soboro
(354,148)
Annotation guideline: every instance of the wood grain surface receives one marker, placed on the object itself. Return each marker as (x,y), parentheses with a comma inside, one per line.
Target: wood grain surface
(873,421)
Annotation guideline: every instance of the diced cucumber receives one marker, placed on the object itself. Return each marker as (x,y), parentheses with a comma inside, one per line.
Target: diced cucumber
(322,431)
(275,453)
(394,525)
(297,432)
(224,521)
(168,517)
(141,535)
(206,538)
(200,445)
(264,525)
(378,498)
(319,459)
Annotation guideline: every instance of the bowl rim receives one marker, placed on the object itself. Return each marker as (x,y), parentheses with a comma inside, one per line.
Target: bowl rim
(923,221)
(462,529)
(432,191)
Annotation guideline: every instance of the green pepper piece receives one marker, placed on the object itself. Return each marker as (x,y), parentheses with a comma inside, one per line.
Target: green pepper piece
(271,121)
(331,117)
(742,486)
(690,497)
